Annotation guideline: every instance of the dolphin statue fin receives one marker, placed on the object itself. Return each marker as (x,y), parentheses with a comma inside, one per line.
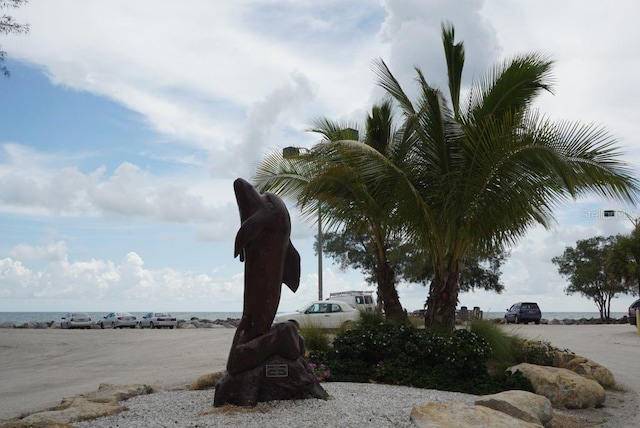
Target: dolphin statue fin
(291,271)
(249,230)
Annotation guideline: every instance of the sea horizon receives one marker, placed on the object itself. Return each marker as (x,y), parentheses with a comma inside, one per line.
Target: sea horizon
(19,318)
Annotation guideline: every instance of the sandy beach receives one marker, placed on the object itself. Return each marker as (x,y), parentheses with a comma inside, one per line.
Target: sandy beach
(40,367)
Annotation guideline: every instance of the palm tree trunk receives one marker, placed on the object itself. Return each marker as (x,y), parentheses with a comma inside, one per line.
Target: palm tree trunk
(442,301)
(386,278)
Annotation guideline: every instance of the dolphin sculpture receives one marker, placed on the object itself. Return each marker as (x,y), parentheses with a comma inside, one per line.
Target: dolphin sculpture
(263,244)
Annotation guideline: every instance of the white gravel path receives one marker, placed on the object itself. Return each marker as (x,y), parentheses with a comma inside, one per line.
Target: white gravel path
(351,405)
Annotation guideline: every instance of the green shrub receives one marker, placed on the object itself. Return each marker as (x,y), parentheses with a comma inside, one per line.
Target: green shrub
(315,338)
(535,352)
(400,354)
(503,381)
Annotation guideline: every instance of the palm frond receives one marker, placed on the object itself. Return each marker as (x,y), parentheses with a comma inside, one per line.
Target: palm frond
(388,82)
(454,55)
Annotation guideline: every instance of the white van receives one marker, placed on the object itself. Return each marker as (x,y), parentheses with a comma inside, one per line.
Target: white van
(361,300)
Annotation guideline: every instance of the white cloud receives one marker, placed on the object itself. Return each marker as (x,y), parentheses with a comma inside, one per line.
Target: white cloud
(412,30)
(56,251)
(221,83)
(128,192)
(107,281)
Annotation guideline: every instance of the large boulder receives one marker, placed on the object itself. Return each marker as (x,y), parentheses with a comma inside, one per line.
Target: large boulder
(562,387)
(523,405)
(459,414)
(585,367)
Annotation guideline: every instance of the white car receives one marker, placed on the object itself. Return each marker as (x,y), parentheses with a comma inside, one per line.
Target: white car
(158,320)
(118,320)
(323,314)
(76,320)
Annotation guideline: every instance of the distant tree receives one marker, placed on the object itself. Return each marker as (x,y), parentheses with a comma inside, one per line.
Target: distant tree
(8,25)
(409,263)
(624,260)
(587,268)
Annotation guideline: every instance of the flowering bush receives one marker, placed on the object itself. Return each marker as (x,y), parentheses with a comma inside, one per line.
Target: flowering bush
(321,371)
(536,352)
(399,354)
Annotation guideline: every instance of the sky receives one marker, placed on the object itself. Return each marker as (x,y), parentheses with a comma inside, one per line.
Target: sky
(123,125)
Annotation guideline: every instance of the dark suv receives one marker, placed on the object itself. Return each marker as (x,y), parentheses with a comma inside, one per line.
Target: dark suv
(632,312)
(523,312)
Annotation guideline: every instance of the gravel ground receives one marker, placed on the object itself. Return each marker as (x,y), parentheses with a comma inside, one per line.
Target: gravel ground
(350,405)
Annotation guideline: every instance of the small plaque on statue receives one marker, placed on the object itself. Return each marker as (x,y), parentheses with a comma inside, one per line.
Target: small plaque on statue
(277,370)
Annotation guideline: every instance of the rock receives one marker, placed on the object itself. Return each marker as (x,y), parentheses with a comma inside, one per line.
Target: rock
(78,409)
(108,392)
(563,387)
(206,381)
(459,414)
(585,367)
(248,388)
(103,402)
(7,324)
(523,405)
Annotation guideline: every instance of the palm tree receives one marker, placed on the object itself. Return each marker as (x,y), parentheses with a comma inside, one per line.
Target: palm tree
(322,178)
(472,177)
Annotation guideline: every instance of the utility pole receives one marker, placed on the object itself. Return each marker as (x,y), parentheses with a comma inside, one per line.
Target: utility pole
(288,153)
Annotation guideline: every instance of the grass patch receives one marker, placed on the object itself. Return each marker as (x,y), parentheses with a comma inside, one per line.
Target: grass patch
(315,338)
(508,350)
(417,322)
(503,346)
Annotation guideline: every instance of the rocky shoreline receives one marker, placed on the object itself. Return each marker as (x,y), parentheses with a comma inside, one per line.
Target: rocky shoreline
(579,321)
(185,324)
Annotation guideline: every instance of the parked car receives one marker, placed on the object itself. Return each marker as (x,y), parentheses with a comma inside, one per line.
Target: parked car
(76,320)
(523,312)
(323,314)
(632,312)
(361,300)
(158,320)
(118,320)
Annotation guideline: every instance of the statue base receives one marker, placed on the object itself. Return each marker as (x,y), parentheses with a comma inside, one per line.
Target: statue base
(275,379)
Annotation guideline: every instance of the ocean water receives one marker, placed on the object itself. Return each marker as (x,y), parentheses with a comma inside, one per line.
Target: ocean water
(23,317)
(19,318)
